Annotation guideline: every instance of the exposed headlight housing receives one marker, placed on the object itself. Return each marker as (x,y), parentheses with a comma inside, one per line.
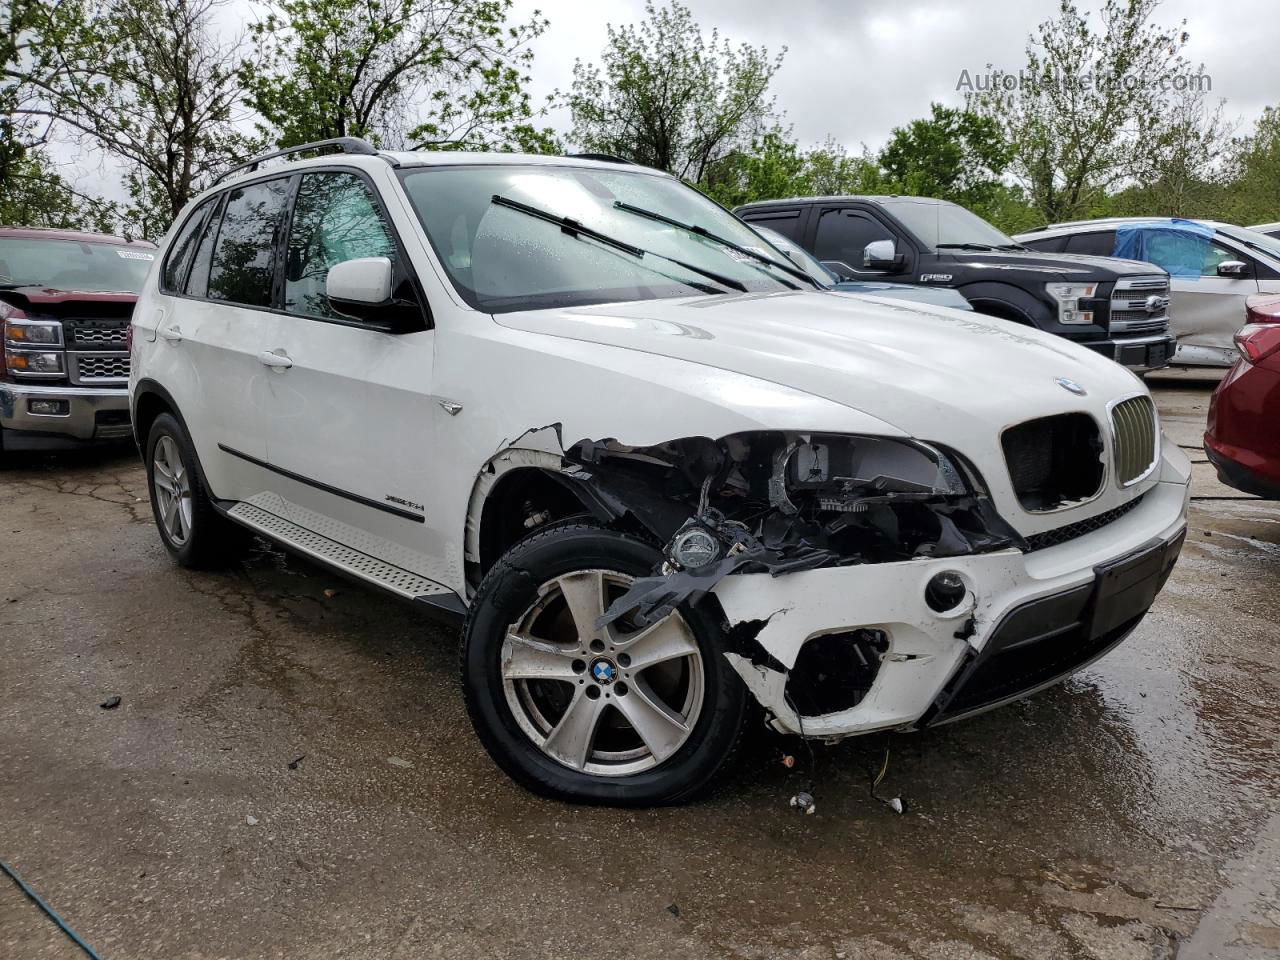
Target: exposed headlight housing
(843,472)
(1069,296)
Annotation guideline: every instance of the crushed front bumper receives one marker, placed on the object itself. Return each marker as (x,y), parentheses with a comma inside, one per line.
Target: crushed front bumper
(84,415)
(1029,619)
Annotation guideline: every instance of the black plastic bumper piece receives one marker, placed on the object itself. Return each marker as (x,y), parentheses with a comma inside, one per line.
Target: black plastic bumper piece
(1046,640)
(1237,475)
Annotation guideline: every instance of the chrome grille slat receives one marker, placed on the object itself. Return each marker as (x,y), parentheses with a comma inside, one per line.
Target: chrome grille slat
(101,368)
(1134,439)
(1129,313)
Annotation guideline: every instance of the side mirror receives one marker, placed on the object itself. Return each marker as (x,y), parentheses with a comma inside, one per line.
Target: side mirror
(356,285)
(881,255)
(1233,268)
(365,289)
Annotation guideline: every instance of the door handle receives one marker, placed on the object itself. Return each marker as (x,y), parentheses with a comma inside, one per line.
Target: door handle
(172,334)
(277,359)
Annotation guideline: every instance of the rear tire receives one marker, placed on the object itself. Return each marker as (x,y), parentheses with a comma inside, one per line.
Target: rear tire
(660,711)
(191,528)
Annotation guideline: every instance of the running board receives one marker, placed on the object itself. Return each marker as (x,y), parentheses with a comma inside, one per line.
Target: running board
(371,570)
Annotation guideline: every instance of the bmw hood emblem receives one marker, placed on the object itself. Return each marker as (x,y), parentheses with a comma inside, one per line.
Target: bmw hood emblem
(1071,386)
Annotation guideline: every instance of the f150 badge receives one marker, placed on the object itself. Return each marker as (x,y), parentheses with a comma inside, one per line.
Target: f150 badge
(935,278)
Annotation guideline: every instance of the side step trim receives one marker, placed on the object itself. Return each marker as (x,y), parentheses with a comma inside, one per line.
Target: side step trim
(379,573)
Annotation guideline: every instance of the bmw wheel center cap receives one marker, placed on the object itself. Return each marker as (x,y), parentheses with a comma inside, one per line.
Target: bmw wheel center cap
(603,670)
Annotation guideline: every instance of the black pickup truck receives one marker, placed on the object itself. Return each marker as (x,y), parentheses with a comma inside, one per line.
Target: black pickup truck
(1116,307)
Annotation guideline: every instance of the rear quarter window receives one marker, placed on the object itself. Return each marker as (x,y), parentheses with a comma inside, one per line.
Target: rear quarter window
(183,249)
(243,260)
(1097,244)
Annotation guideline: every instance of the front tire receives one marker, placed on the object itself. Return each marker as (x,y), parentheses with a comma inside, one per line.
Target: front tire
(624,715)
(191,529)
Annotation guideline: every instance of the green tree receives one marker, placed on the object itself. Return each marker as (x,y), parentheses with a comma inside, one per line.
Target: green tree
(771,166)
(1091,110)
(666,96)
(1251,193)
(443,74)
(830,170)
(144,82)
(34,194)
(952,154)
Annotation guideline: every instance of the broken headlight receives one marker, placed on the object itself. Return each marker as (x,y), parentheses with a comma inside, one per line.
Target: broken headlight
(843,474)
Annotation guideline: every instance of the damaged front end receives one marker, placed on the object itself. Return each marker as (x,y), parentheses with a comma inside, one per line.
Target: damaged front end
(777,503)
(770,504)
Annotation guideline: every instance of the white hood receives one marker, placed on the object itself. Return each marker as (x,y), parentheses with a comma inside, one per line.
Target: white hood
(950,377)
(929,371)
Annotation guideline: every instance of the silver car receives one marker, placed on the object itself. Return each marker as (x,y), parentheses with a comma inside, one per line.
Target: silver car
(1213,268)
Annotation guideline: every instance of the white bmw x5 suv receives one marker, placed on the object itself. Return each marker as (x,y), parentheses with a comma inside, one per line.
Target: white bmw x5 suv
(665,476)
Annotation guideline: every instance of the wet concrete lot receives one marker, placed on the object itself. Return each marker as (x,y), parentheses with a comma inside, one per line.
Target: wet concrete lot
(1133,812)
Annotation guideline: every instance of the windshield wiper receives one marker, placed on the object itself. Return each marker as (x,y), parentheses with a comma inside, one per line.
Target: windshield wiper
(575,229)
(966,246)
(714,238)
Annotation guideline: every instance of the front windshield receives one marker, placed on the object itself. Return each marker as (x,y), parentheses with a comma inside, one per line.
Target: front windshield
(945,225)
(73,264)
(1259,241)
(801,257)
(501,258)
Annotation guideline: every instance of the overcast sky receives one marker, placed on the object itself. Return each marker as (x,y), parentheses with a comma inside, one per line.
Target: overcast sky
(855,69)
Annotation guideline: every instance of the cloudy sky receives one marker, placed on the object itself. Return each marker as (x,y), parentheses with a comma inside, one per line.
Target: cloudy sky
(854,69)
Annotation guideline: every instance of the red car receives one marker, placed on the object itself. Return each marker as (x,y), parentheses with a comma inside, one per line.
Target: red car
(1243,440)
(66,300)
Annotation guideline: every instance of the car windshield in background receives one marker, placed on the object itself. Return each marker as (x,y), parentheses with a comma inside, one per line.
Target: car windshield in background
(501,235)
(1258,241)
(73,264)
(801,257)
(946,226)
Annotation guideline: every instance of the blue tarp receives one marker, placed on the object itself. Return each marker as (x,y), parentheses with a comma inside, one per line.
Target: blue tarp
(1177,246)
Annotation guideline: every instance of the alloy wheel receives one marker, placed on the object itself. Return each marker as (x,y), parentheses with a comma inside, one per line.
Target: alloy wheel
(610,701)
(172,488)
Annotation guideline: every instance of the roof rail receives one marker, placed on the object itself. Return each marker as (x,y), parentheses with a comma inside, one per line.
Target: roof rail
(602,157)
(352,145)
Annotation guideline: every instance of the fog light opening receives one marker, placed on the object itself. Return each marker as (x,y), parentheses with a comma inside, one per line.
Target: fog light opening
(49,408)
(945,591)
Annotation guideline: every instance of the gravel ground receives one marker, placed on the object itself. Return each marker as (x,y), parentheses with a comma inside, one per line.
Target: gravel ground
(291,773)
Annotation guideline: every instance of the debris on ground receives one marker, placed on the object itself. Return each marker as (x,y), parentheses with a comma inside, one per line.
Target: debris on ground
(804,803)
(110,703)
(293,764)
(251,820)
(397,762)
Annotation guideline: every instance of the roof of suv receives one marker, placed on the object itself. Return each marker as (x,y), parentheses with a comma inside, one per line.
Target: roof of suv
(1074,225)
(842,198)
(433,158)
(78,236)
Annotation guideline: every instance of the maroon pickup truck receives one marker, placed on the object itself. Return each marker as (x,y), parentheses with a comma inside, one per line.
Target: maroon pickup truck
(66,300)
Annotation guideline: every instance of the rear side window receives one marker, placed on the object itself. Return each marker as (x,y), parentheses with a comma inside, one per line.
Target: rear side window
(183,249)
(335,218)
(243,266)
(198,277)
(785,222)
(1047,244)
(1093,244)
(843,235)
